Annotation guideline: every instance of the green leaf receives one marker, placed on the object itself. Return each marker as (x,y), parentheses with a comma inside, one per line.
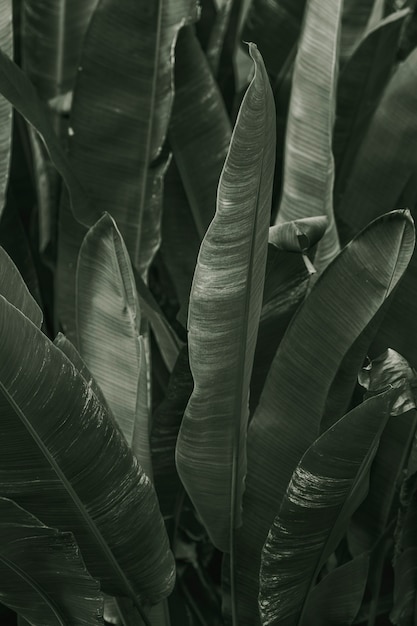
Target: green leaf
(274,27)
(52,36)
(315,510)
(405,597)
(108,321)
(355,18)
(288,416)
(298,235)
(225,306)
(13,288)
(87,480)
(199,141)
(337,597)
(360,87)
(308,163)
(43,576)
(6,45)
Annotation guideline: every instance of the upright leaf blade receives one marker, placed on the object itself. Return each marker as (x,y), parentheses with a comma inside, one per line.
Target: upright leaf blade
(87,479)
(43,576)
(224,312)
(6,45)
(308,163)
(288,416)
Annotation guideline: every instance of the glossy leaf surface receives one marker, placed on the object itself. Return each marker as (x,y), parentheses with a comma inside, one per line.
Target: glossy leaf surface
(88,482)
(225,306)
(308,163)
(288,416)
(43,576)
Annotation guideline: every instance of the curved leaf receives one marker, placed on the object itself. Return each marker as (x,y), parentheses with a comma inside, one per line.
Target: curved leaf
(87,480)
(13,288)
(288,416)
(308,163)
(316,508)
(6,45)
(355,19)
(199,140)
(52,36)
(225,306)
(298,235)
(360,87)
(42,574)
(108,320)
(337,598)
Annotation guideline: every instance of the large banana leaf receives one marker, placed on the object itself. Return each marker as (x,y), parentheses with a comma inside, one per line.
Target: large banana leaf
(52,36)
(384,176)
(315,511)
(108,321)
(288,416)
(6,44)
(42,574)
(13,288)
(275,27)
(360,86)
(87,480)
(225,306)
(308,162)
(199,141)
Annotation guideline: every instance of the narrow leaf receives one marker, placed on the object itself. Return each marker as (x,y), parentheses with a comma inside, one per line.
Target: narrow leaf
(87,480)
(308,163)
(6,45)
(315,511)
(225,306)
(355,18)
(288,417)
(43,577)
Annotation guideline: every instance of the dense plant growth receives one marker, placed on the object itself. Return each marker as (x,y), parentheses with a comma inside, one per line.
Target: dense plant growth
(208,313)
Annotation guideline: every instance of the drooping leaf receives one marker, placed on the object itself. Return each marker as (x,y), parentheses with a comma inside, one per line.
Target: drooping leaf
(360,87)
(308,164)
(199,141)
(336,599)
(52,36)
(275,28)
(6,45)
(87,479)
(224,312)
(355,19)
(384,177)
(108,320)
(43,576)
(288,416)
(13,288)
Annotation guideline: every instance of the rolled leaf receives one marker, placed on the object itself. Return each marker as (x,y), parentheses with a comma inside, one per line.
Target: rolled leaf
(108,320)
(6,45)
(43,576)
(13,288)
(87,481)
(298,235)
(288,417)
(308,163)
(225,306)
(199,141)
(315,510)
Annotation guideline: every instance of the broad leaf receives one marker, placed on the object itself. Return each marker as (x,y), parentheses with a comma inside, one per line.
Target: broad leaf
(199,141)
(337,598)
(288,416)
(52,36)
(274,27)
(6,45)
(87,479)
(43,576)
(360,87)
(13,288)
(225,306)
(108,321)
(315,510)
(308,163)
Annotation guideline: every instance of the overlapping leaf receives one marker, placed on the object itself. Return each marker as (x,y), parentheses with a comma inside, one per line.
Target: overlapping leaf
(288,417)
(87,480)
(6,44)
(225,306)
(308,163)
(43,577)
(316,508)
(13,288)
(355,19)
